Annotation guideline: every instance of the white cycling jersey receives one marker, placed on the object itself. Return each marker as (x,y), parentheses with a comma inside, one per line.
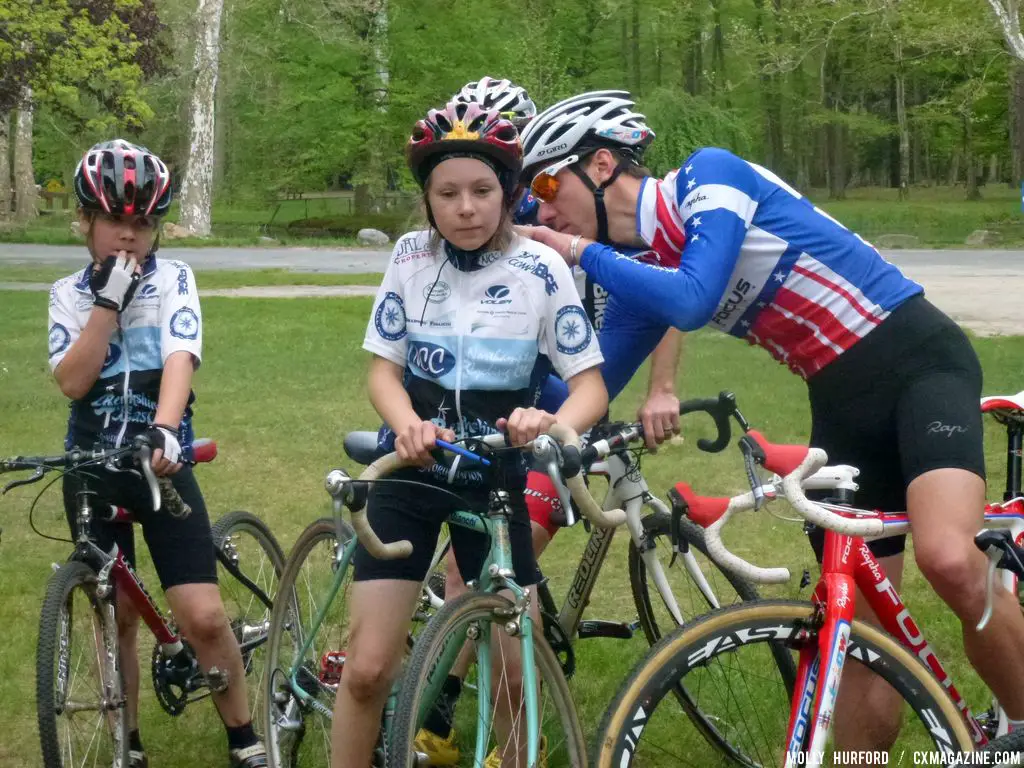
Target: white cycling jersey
(478,340)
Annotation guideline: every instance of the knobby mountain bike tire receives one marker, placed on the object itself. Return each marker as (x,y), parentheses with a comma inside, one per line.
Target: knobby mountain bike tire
(82,721)
(249,566)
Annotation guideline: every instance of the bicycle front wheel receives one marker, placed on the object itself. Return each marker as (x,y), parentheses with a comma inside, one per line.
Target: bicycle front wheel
(299,726)
(79,690)
(725,661)
(696,583)
(490,713)
(249,565)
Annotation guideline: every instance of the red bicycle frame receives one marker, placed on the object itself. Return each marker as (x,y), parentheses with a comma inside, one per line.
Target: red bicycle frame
(848,564)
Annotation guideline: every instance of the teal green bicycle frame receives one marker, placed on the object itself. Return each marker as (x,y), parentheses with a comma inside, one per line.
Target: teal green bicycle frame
(496,575)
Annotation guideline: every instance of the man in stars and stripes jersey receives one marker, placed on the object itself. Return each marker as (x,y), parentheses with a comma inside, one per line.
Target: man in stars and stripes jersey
(893,383)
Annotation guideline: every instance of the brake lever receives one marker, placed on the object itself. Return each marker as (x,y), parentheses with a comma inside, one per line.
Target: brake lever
(750,465)
(35,478)
(545,449)
(145,456)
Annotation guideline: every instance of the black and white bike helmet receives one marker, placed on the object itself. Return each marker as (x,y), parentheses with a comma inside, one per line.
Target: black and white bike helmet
(581,125)
(585,122)
(509,99)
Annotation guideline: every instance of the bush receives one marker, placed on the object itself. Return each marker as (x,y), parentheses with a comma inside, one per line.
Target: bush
(393,224)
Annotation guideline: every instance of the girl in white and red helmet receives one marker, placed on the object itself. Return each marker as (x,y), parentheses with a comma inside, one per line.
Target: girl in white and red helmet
(467,322)
(125,337)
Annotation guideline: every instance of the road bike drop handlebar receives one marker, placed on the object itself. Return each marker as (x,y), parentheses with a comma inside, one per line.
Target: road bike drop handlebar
(801,468)
(162,493)
(559,448)
(721,409)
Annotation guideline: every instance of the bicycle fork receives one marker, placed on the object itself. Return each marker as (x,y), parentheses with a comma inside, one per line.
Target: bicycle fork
(821,666)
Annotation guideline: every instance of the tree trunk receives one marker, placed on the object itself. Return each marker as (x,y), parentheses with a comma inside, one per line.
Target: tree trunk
(718,76)
(775,131)
(970,162)
(954,168)
(657,58)
(901,120)
(1016,124)
(24,178)
(625,49)
(380,53)
(636,49)
(365,201)
(835,150)
(197,189)
(695,63)
(6,193)
(993,169)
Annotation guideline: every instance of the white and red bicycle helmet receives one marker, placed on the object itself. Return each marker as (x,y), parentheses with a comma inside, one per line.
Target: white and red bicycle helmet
(123,178)
(466,130)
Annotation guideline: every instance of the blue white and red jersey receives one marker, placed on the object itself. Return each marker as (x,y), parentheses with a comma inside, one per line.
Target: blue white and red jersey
(734,247)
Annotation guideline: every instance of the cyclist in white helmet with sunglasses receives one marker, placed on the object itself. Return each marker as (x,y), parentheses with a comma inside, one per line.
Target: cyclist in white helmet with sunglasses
(893,383)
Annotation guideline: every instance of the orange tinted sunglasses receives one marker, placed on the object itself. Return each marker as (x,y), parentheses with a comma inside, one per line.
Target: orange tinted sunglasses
(545,185)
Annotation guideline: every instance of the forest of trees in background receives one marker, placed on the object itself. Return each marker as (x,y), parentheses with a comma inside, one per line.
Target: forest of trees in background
(321,94)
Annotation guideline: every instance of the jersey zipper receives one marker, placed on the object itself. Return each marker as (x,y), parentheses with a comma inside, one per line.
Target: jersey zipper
(127,376)
(458,356)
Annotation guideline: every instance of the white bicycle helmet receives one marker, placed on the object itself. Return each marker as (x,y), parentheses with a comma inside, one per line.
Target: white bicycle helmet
(588,121)
(509,99)
(580,125)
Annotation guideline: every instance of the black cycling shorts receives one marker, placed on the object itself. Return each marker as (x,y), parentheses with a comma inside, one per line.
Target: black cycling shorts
(182,549)
(901,402)
(397,511)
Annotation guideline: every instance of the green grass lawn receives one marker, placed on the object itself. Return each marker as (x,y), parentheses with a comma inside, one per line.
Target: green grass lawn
(208,279)
(281,383)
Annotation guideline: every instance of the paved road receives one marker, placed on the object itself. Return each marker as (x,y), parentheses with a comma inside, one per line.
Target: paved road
(350,260)
(354,260)
(983,290)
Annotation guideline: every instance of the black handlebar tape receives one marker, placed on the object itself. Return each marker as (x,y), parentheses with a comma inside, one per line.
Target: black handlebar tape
(572,461)
(588,456)
(719,409)
(357,492)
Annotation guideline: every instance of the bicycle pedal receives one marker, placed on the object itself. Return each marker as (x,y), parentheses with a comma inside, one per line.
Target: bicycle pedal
(600,628)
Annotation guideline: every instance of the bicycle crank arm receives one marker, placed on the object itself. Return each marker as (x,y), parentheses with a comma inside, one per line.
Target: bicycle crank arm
(600,628)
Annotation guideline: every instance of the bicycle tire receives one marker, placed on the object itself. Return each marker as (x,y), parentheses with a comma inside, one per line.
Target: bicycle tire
(657,526)
(1005,751)
(646,596)
(53,664)
(279,705)
(248,614)
(474,606)
(724,632)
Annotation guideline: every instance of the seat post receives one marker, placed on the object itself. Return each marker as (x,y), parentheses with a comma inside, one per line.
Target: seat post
(1014,442)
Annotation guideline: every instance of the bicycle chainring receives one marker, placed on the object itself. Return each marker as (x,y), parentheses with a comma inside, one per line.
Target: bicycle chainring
(173,681)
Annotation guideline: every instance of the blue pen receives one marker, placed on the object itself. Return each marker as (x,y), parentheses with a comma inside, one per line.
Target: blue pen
(462,452)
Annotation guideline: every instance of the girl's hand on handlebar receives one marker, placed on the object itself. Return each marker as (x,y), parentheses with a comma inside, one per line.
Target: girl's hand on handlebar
(525,424)
(414,443)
